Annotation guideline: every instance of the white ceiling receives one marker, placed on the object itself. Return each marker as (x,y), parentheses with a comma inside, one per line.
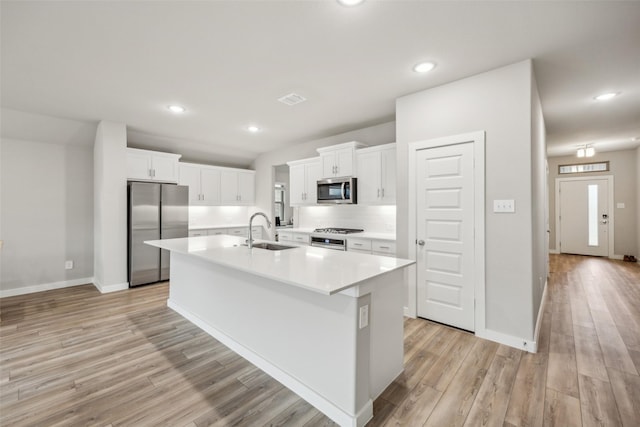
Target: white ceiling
(227,62)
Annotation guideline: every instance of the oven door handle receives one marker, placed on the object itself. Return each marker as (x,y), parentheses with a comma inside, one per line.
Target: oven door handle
(344,190)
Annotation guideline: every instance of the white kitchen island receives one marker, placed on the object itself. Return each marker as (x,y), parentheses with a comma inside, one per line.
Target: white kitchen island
(326,324)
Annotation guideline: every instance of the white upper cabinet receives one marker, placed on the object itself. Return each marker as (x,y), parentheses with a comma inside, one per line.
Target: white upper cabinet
(203,182)
(145,165)
(377,175)
(237,187)
(339,160)
(303,181)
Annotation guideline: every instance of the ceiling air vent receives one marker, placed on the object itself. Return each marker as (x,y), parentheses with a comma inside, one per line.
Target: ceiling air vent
(292,99)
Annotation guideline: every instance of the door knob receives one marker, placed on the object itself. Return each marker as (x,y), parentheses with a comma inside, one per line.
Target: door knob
(421,242)
(604,221)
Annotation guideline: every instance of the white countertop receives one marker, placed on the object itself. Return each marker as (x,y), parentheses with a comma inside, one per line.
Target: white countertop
(320,270)
(364,234)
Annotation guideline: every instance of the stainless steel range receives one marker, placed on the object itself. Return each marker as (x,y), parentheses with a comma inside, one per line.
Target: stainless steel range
(331,238)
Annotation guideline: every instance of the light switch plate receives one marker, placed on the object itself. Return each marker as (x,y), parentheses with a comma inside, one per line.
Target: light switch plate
(504,206)
(620,205)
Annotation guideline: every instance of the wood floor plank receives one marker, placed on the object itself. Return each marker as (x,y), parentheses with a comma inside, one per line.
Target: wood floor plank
(562,372)
(597,402)
(589,357)
(526,405)
(454,405)
(561,410)
(626,390)
(490,405)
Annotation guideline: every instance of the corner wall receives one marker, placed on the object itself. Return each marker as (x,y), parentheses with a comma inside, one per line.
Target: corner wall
(110,207)
(46,215)
(498,102)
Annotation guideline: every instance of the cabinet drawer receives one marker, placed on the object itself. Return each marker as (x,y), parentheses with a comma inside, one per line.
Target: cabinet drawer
(238,231)
(301,238)
(197,233)
(362,244)
(217,231)
(360,251)
(285,236)
(384,247)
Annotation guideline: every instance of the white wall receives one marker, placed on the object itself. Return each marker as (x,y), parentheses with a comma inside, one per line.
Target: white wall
(539,186)
(623,167)
(110,207)
(264,164)
(46,215)
(498,102)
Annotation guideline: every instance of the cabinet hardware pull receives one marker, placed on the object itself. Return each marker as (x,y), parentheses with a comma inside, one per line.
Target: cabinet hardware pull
(384,247)
(383,193)
(378,192)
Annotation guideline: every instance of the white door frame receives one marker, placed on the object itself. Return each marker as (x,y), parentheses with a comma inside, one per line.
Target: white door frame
(478,140)
(611,233)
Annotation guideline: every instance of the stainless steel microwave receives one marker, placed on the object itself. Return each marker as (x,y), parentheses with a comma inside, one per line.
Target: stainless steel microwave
(337,191)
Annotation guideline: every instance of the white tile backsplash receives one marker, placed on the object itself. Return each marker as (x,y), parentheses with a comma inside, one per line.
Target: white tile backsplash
(375,219)
(217,215)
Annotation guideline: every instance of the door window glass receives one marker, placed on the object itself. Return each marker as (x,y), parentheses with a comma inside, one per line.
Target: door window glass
(593,214)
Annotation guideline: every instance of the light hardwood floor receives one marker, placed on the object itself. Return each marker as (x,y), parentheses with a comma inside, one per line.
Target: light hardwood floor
(75,357)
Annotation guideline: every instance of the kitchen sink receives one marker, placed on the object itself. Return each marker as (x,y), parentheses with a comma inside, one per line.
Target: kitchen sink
(272,246)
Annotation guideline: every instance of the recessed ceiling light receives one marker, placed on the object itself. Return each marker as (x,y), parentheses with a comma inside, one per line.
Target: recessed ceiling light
(176,109)
(606,96)
(424,67)
(253,129)
(350,2)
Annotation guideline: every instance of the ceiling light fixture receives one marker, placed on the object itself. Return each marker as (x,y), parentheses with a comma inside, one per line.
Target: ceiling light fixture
(177,109)
(586,151)
(350,2)
(253,129)
(606,96)
(424,67)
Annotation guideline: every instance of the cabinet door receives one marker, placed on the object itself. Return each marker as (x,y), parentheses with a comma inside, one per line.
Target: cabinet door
(229,187)
(297,185)
(209,186)
(368,178)
(344,162)
(217,232)
(312,175)
(388,176)
(190,176)
(165,168)
(138,165)
(246,188)
(328,161)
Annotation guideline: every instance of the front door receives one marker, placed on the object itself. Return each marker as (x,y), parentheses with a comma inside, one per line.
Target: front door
(584,217)
(445,235)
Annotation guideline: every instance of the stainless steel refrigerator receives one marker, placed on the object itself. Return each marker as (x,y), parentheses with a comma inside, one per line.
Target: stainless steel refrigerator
(156,211)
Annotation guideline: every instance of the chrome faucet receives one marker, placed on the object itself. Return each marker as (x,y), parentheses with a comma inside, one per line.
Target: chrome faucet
(250,241)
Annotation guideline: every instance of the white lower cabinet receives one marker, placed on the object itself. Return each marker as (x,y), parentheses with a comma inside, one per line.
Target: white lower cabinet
(293,237)
(217,232)
(197,233)
(370,246)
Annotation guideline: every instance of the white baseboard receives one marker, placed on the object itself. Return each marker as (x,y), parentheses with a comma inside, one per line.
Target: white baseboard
(543,303)
(105,289)
(618,257)
(510,340)
(554,251)
(45,287)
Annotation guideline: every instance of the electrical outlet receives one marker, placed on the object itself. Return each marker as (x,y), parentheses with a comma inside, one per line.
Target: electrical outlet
(68,265)
(364,316)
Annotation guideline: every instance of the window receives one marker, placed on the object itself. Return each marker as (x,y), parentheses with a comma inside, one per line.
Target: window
(592,192)
(584,167)
(279,202)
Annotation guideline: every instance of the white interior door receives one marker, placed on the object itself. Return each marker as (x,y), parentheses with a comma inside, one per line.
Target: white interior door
(584,217)
(445,233)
